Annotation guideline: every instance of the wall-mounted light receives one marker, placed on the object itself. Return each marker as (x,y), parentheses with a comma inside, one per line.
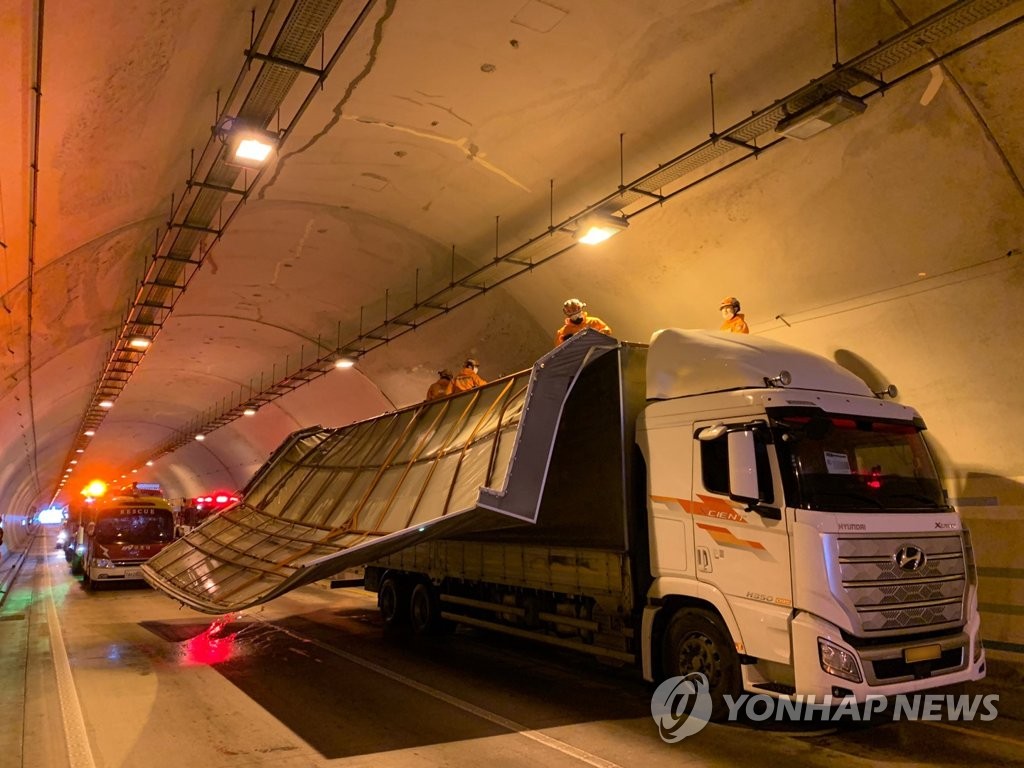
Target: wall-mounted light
(139,342)
(598,227)
(247,145)
(818,117)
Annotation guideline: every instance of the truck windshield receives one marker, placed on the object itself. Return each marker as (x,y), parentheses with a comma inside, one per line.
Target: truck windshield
(840,463)
(137,526)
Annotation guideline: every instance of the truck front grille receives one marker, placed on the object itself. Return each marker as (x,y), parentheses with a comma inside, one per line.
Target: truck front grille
(886,598)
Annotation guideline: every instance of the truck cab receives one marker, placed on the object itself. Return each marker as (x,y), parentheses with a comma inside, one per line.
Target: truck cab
(801,541)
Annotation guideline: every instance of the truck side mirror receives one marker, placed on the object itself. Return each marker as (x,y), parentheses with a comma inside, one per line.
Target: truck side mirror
(743,485)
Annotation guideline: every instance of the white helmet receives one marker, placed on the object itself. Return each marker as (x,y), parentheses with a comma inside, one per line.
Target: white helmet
(573,307)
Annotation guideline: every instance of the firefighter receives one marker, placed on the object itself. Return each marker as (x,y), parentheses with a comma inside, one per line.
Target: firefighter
(576,320)
(442,387)
(468,378)
(732,320)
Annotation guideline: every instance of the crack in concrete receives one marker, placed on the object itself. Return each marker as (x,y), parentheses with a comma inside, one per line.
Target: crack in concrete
(371,60)
(463,144)
(435,105)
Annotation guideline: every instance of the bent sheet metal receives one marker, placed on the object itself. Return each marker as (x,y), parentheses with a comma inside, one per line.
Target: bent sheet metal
(331,499)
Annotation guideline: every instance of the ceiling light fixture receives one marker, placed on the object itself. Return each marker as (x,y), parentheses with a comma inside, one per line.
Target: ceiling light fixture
(818,117)
(250,410)
(106,403)
(598,227)
(149,463)
(200,437)
(139,342)
(248,146)
(345,361)
(89,432)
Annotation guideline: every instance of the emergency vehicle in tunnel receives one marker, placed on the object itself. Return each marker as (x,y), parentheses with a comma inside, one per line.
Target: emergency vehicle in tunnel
(118,534)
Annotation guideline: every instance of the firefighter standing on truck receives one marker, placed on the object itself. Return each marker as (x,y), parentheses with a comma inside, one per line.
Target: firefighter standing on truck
(732,320)
(576,320)
(442,387)
(468,378)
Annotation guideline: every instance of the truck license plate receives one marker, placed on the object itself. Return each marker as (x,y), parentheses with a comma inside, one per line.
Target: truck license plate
(135,573)
(922,653)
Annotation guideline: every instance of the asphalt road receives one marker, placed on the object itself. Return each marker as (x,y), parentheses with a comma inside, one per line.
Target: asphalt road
(124,677)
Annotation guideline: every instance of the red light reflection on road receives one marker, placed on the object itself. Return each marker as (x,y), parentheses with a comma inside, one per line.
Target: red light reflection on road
(212,646)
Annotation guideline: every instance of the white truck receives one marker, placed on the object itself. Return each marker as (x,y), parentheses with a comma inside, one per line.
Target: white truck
(715,503)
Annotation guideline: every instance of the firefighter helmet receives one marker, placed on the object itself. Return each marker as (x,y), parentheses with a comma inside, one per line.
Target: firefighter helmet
(573,307)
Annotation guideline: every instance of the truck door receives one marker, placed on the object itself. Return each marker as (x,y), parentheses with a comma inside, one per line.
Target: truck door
(742,546)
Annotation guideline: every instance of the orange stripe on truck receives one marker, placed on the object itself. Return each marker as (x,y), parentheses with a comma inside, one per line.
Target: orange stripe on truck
(708,506)
(725,537)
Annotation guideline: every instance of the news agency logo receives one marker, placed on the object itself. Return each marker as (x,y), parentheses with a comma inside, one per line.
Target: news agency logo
(681,707)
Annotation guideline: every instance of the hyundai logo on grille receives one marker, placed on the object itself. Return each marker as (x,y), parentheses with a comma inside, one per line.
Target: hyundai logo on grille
(910,558)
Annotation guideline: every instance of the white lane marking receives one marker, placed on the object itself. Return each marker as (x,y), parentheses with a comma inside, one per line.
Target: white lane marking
(465,706)
(75,736)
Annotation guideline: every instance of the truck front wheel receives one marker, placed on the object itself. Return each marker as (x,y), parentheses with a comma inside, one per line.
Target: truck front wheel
(696,641)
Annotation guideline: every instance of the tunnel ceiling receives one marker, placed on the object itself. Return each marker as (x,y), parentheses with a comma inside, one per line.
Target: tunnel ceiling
(435,159)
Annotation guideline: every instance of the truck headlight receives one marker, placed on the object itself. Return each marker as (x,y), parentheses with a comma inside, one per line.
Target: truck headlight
(838,661)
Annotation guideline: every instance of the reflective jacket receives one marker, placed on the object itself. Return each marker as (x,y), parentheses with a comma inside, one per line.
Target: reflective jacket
(735,325)
(467,379)
(440,388)
(570,329)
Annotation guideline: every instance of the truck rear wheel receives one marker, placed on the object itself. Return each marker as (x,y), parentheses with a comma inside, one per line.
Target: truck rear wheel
(696,641)
(425,611)
(393,601)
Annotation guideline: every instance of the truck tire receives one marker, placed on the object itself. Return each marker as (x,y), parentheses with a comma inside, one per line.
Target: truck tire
(425,611)
(393,601)
(696,641)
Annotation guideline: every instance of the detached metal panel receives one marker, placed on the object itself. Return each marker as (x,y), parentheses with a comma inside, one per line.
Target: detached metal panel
(330,499)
